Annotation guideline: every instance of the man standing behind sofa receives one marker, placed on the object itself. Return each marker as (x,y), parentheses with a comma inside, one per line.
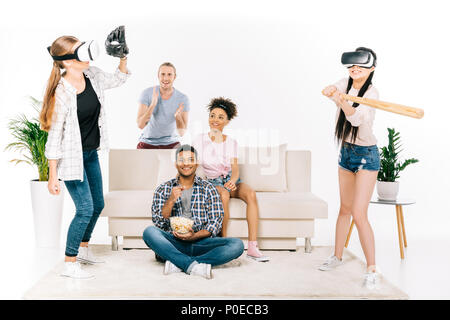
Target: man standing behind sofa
(189,196)
(163,112)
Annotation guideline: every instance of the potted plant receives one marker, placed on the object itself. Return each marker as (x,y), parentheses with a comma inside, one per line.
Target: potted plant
(29,141)
(390,167)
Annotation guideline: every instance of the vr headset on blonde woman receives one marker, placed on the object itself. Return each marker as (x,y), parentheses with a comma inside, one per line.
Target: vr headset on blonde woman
(87,51)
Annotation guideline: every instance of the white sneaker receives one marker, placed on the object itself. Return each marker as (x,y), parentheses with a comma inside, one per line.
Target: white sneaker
(202,270)
(73,270)
(85,255)
(331,263)
(169,268)
(371,280)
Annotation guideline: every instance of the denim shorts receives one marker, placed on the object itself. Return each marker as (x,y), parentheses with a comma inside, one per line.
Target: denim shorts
(354,158)
(220,181)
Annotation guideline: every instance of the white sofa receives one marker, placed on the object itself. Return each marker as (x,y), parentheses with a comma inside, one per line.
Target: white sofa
(282,181)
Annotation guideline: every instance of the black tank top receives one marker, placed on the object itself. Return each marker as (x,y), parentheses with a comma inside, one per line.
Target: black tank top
(88,111)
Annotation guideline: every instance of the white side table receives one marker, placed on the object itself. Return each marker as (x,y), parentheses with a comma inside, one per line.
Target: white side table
(399,203)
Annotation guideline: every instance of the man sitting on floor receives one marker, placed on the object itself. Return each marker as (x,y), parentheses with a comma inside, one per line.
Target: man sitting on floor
(191,197)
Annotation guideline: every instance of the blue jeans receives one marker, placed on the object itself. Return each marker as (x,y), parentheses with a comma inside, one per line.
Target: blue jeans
(88,199)
(186,254)
(354,158)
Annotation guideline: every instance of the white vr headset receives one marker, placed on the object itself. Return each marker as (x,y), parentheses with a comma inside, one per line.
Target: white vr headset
(87,51)
(359,58)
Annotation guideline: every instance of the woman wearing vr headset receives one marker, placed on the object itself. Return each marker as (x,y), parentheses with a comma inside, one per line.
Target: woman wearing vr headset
(73,114)
(359,159)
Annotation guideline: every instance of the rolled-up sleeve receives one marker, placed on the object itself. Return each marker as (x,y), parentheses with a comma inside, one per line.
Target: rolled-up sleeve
(341,85)
(53,146)
(214,210)
(110,80)
(159,199)
(364,114)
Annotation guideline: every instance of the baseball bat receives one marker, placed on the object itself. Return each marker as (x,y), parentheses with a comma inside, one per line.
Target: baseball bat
(387,106)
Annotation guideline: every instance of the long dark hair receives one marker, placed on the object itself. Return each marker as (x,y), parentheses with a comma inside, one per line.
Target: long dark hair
(343,126)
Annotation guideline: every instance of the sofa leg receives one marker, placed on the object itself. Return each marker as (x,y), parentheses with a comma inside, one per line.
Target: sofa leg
(115,243)
(308,247)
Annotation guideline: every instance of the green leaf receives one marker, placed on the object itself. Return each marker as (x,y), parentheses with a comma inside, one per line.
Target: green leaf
(29,140)
(389,158)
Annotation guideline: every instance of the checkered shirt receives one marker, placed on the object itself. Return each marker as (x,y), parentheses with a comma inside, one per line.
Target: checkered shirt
(206,206)
(64,137)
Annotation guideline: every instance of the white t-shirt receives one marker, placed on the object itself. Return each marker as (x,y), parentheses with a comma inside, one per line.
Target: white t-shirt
(363,117)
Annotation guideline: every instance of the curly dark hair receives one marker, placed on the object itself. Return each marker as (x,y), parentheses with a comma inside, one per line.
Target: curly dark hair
(225,104)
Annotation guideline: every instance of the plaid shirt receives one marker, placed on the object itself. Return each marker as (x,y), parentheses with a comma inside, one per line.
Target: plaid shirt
(64,137)
(206,206)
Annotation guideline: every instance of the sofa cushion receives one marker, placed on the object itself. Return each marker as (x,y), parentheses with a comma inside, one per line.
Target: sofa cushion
(288,205)
(133,203)
(272,205)
(166,166)
(264,169)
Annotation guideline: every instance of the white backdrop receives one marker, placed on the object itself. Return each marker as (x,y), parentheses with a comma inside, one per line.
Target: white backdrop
(272,58)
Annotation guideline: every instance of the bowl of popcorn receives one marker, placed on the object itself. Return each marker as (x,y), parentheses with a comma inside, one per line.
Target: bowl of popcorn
(181,224)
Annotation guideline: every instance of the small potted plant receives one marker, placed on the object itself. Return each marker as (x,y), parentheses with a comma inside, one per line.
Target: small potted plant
(29,141)
(390,167)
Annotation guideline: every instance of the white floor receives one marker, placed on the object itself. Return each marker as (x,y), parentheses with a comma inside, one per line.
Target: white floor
(423,274)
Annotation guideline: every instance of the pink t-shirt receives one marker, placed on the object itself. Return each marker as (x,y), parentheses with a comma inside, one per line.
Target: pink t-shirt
(215,158)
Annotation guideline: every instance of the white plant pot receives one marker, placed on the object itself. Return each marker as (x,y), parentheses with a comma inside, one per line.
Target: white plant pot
(47,214)
(388,190)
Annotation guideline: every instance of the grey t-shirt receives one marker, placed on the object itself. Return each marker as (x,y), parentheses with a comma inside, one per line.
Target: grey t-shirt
(186,196)
(161,129)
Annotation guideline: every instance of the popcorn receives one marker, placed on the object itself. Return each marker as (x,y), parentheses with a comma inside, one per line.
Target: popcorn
(181,224)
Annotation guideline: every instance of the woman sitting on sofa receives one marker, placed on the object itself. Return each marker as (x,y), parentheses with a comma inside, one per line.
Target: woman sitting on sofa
(218,157)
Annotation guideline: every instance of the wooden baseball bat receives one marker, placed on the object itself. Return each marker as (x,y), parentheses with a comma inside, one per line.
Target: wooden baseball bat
(387,106)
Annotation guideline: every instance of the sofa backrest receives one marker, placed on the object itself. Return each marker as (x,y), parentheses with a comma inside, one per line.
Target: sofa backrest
(133,169)
(298,170)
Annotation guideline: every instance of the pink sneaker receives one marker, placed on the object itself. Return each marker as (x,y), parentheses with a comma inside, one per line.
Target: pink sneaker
(254,253)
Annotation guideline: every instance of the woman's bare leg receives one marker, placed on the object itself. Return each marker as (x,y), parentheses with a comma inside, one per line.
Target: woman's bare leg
(365,183)
(225,197)
(247,194)
(347,181)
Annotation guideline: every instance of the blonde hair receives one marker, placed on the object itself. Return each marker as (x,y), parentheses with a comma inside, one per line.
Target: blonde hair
(61,46)
(168,64)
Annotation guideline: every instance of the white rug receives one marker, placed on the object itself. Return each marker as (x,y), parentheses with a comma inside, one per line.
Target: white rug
(135,274)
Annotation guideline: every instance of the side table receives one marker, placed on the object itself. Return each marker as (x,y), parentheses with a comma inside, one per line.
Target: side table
(399,203)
